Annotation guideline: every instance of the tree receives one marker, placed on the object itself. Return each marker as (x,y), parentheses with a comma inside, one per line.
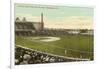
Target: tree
(83,30)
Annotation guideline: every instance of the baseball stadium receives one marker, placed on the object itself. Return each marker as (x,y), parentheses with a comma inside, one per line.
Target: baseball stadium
(36,44)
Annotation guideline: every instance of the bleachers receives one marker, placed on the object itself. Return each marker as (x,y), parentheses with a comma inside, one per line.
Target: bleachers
(26,56)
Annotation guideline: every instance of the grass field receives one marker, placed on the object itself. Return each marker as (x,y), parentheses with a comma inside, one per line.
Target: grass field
(74,45)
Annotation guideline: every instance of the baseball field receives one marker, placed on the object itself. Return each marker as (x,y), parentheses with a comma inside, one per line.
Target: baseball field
(76,46)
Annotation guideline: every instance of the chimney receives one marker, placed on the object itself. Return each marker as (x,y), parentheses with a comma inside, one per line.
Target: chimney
(42,23)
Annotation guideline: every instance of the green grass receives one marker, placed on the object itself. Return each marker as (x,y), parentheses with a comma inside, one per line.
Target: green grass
(75,45)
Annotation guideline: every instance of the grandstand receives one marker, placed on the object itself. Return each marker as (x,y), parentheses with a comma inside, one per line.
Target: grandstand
(27,28)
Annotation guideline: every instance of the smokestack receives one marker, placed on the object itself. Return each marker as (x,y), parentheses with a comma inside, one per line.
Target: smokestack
(42,23)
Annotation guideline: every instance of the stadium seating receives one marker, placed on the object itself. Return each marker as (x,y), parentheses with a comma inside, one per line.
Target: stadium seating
(26,56)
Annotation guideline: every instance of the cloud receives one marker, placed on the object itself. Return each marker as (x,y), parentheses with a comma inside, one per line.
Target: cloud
(73,22)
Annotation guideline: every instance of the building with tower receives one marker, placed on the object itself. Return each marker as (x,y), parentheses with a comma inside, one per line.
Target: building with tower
(27,28)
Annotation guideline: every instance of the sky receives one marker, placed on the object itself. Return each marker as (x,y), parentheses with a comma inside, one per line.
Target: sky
(66,17)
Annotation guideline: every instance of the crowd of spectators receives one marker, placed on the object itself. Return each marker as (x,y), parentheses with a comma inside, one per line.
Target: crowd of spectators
(26,56)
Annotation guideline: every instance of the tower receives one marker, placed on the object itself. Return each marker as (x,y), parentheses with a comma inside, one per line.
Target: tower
(42,23)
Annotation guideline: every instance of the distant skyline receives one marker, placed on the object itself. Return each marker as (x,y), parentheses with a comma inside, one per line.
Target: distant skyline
(57,16)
